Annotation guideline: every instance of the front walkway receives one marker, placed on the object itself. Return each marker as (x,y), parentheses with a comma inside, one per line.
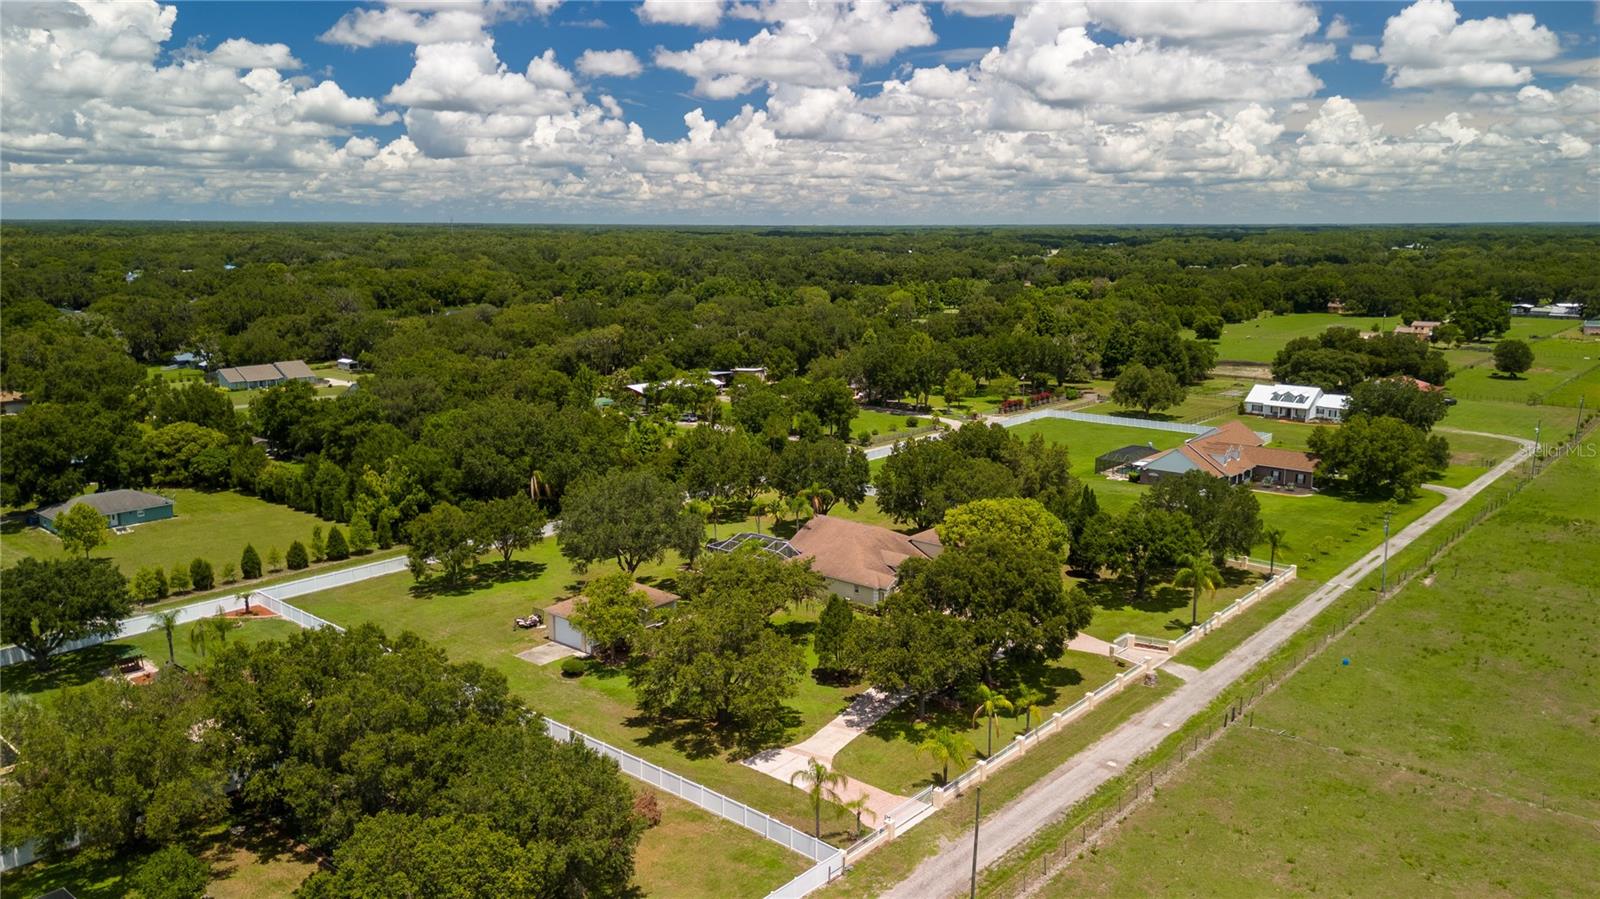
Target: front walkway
(865,711)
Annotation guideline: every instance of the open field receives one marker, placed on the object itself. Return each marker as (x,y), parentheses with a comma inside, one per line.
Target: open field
(1556,361)
(882,427)
(75,668)
(886,755)
(1261,339)
(1163,612)
(1451,756)
(212,525)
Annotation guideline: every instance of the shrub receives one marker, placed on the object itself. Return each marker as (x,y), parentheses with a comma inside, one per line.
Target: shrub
(297,558)
(319,550)
(201,575)
(178,580)
(170,873)
(645,805)
(385,532)
(573,667)
(913,422)
(360,536)
(229,573)
(338,549)
(250,563)
(274,559)
(149,584)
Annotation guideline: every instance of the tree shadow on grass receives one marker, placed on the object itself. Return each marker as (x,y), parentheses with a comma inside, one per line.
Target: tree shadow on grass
(72,669)
(479,577)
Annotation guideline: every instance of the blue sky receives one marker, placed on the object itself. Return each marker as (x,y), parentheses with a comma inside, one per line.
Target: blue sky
(788,112)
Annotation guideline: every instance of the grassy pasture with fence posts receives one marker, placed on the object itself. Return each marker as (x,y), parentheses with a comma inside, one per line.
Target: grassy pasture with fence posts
(1452,755)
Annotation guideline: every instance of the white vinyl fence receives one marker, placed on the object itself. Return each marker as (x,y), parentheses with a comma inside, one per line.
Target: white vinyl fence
(708,799)
(221,605)
(1282,576)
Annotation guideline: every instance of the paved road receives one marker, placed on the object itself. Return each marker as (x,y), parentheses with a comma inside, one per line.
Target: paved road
(947,872)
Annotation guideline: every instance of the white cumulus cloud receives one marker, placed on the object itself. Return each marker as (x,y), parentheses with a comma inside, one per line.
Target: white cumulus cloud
(615,63)
(1428,45)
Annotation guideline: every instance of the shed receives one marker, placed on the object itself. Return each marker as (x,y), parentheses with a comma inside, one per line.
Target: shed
(122,508)
(1591,327)
(12,402)
(1123,456)
(563,631)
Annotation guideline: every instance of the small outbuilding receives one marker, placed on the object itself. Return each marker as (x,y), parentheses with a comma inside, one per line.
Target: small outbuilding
(563,631)
(12,402)
(122,508)
(1591,328)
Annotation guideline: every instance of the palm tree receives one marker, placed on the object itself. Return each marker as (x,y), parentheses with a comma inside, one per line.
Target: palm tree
(209,633)
(796,505)
(820,787)
(1197,574)
(538,487)
(991,703)
(1274,538)
(858,806)
(759,509)
(945,747)
(1027,707)
(168,622)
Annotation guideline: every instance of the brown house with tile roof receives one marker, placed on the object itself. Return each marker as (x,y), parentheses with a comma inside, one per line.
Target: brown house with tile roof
(860,562)
(563,631)
(1234,453)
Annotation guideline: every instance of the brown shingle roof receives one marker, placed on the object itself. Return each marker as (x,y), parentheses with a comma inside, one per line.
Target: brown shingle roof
(856,553)
(657,597)
(295,369)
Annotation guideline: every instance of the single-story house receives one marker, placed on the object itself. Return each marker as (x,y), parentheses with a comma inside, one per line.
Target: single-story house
(860,562)
(345,363)
(1422,330)
(188,360)
(563,631)
(249,377)
(1591,328)
(12,402)
(1123,457)
(1336,307)
(1234,453)
(727,375)
(1296,403)
(122,508)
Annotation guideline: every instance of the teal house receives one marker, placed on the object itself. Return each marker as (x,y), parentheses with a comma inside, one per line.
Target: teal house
(122,508)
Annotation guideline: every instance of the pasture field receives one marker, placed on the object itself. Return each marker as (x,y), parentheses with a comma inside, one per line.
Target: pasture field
(1451,756)
(1086,440)
(1261,339)
(212,525)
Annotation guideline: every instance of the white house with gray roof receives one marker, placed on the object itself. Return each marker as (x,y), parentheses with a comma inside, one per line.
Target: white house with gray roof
(1295,403)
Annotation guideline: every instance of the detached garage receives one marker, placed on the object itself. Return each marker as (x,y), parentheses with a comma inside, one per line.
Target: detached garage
(122,508)
(563,631)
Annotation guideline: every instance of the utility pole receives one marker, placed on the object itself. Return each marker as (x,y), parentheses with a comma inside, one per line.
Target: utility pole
(1538,428)
(977,812)
(1384,589)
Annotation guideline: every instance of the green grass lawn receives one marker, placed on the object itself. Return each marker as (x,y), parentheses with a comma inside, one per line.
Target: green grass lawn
(1453,755)
(211,525)
(887,757)
(695,853)
(83,666)
(1163,612)
(888,425)
(1556,362)
(254,865)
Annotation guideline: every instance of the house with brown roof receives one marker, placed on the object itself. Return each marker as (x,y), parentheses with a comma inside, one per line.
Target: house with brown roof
(563,631)
(1422,330)
(12,402)
(860,562)
(1235,454)
(250,377)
